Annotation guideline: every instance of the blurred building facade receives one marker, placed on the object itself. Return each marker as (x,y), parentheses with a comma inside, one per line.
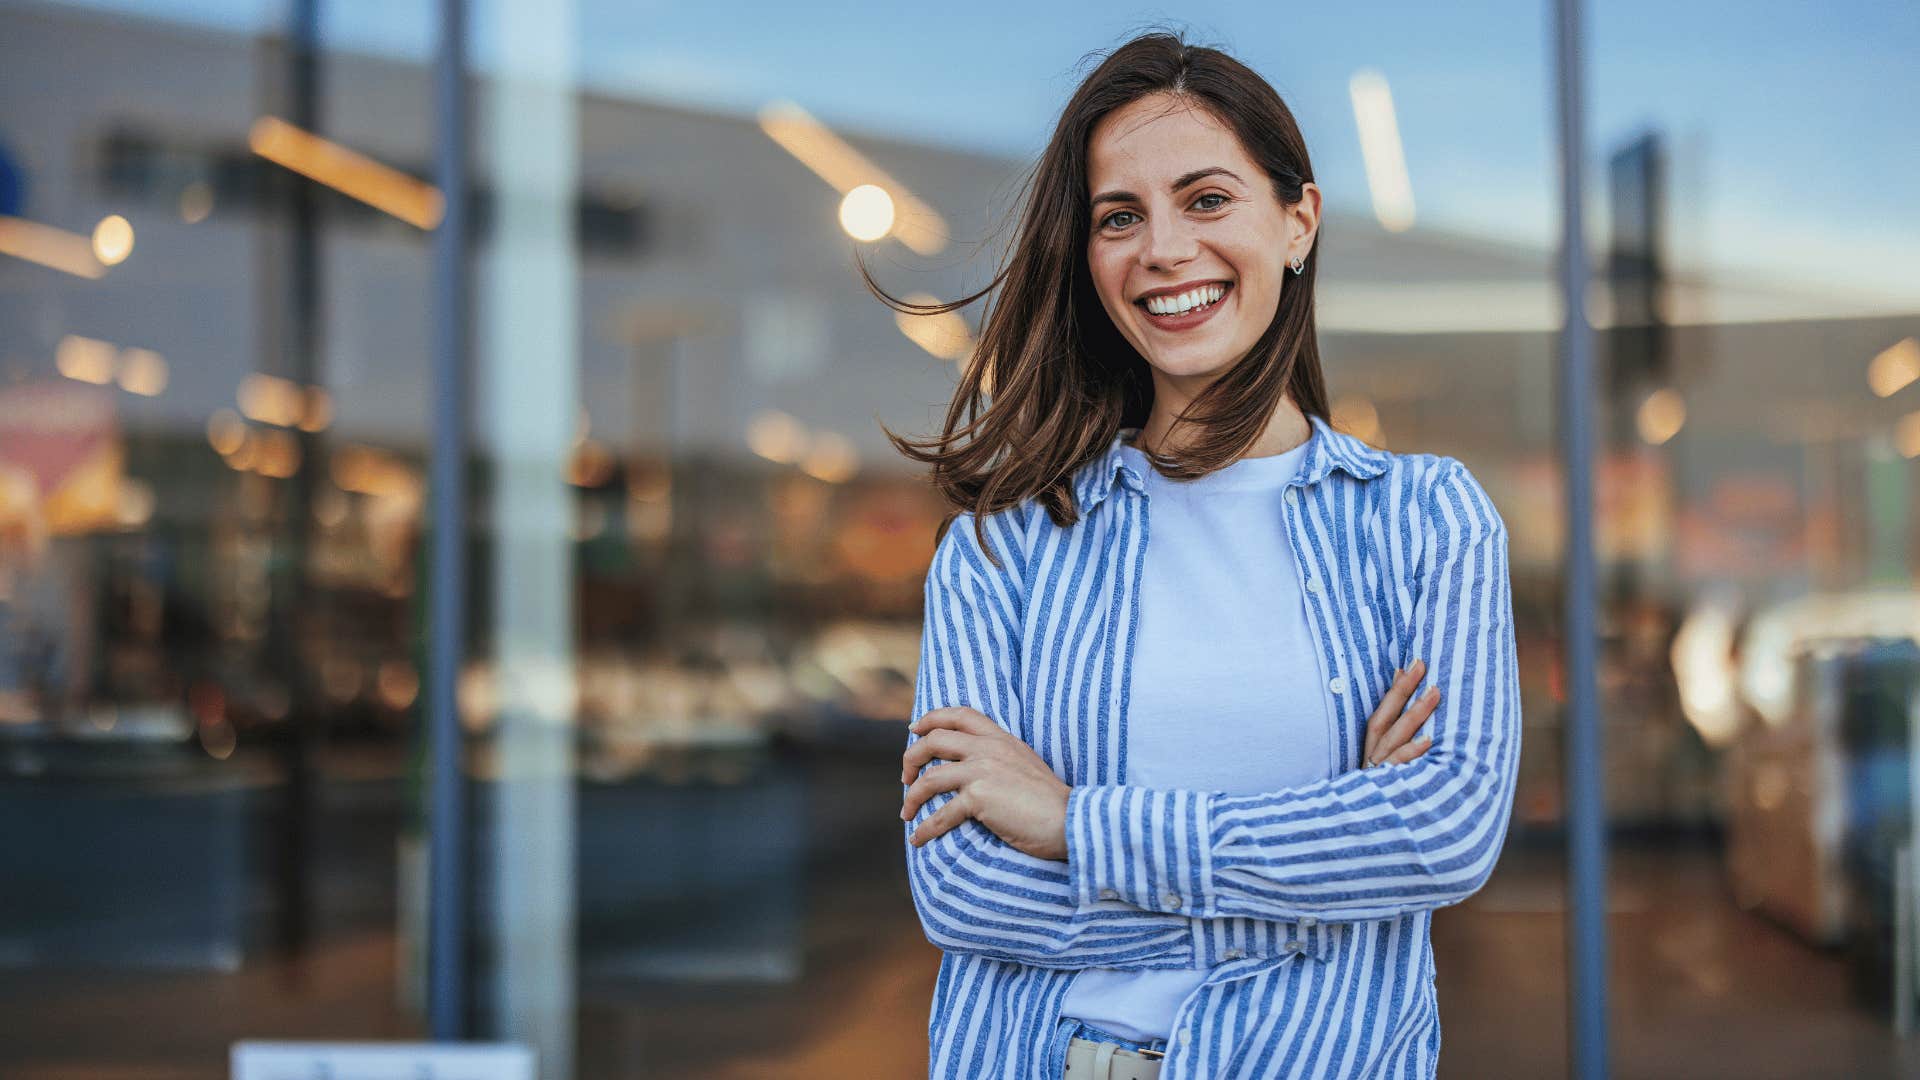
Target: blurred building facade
(697,568)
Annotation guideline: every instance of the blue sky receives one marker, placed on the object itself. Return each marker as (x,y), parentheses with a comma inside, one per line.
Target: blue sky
(1797,146)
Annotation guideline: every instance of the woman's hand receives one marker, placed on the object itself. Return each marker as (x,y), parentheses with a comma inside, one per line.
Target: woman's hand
(1389,728)
(996,779)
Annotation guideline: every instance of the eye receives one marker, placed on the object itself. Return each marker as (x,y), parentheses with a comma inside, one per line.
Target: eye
(1211,195)
(1108,223)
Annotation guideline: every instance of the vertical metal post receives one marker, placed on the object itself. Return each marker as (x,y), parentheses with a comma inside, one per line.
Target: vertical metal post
(1585,806)
(292,349)
(447,817)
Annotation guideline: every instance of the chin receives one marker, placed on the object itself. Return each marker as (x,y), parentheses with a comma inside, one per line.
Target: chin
(1199,359)
(1187,366)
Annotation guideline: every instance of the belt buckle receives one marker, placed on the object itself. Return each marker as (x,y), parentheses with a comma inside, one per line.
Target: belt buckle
(1154,1055)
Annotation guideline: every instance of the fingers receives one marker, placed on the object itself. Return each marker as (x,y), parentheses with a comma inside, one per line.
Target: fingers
(938,822)
(1392,704)
(1410,751)
(956,717)
(930,784)
(1409,722)
(945,745)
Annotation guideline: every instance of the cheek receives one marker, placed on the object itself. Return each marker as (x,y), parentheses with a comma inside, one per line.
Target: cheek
(1109,281)
(1260,285)
(1100,265)
(1267,289)
(1259,303)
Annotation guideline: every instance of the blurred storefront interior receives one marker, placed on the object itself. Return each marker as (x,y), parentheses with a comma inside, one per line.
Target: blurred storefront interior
(696,568)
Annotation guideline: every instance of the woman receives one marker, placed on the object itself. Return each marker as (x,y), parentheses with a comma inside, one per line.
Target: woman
(1165,813)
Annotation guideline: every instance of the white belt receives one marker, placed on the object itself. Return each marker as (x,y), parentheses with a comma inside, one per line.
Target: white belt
(1090,1060)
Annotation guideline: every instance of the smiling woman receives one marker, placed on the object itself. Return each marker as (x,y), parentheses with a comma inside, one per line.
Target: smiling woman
(1175,174)
(1165,811)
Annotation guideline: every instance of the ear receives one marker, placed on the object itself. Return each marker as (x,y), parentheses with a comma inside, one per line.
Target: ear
(1304,221)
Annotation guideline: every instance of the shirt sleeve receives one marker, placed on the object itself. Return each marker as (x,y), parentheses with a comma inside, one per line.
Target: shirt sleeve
(976,893)
(1372,843)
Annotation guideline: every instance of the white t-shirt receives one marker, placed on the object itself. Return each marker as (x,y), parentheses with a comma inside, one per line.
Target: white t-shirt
(1226,692)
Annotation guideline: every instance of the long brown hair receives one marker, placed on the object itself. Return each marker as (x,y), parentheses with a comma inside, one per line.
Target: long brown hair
(1052,381)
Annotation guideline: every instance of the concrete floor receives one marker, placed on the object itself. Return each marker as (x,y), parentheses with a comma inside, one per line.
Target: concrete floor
(1698,987)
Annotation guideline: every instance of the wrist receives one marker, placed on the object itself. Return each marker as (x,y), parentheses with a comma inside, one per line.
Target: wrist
(1057,839)
(1147,847)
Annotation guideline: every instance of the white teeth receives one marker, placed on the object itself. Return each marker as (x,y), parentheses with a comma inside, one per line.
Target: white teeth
(1186,301)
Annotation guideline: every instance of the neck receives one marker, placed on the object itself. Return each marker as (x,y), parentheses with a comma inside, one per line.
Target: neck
(1287,428)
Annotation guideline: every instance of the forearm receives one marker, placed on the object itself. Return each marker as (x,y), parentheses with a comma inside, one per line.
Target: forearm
(1370,844)
(977,894)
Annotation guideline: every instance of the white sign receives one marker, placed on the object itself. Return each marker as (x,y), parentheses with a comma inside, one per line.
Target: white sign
(256,1060)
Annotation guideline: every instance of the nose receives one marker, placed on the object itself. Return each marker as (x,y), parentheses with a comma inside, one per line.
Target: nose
(1169,243)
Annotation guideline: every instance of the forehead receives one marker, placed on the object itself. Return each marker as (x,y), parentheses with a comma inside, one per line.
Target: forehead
(1158,137)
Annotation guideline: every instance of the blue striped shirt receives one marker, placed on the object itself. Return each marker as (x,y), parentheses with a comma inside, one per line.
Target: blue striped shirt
(1311,905)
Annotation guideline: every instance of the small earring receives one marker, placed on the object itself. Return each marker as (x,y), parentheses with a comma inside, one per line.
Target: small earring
(1299,265)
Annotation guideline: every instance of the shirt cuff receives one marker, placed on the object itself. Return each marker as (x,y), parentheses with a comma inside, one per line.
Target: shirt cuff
(1142,846)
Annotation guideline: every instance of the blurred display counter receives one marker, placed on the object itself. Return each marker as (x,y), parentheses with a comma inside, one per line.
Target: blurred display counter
(691,870)
(720,867)
(1821,812)
(1880,732)
(131,856)
(144,855)
(1786,808)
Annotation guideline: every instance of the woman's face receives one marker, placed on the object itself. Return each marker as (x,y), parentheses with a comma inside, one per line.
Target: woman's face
(1181,215)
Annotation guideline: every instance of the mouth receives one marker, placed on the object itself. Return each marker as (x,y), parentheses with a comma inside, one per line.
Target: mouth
(1186,310)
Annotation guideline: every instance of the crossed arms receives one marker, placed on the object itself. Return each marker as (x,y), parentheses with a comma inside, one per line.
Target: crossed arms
(1367,844)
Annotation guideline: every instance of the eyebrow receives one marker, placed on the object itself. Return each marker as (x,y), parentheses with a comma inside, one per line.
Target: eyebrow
(1185,180)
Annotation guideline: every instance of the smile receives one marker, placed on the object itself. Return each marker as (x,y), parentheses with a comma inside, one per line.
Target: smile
(1186,310)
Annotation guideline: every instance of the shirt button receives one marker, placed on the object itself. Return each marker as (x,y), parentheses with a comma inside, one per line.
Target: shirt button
(1313,585)
(1337,684)
(1180,1037)
(1293,946)
(1291,496)
(1109,894)
(1309,922)
(1170,900)
(1233,954)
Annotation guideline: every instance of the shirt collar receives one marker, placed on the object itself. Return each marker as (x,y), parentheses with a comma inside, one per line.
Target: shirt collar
(1327,450)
